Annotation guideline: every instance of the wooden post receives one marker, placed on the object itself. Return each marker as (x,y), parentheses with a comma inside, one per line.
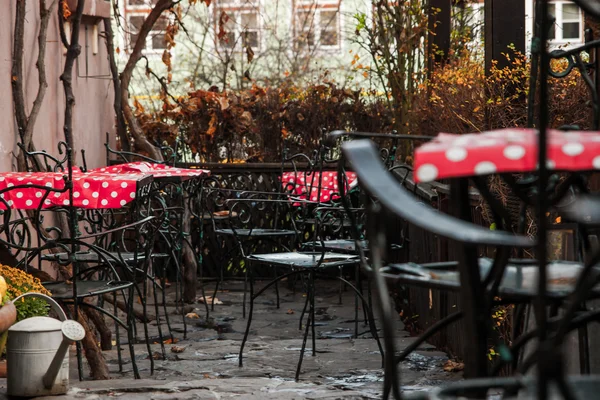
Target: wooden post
(504,26)
(439,26)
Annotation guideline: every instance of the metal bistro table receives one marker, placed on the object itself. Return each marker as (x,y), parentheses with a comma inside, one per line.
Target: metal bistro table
(179,190)
(58,192)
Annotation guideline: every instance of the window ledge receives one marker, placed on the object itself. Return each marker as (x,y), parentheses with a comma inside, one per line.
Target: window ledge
(96,9)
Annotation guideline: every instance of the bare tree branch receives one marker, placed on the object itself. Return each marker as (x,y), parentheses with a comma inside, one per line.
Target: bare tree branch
(134,127)
(26,124)
(114,71)
(17,68)
(61,24)
(73,52)
(41,66)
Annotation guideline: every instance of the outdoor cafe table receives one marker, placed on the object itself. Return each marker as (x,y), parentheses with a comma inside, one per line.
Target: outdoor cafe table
(301,183)
(33,190)
(505,150)
(187,184)
(158,171)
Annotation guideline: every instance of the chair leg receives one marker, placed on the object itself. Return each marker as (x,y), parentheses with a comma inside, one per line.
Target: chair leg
(164,300)
(299,367)
(203,292)
(212,301)
(245,290)
(78,348)
(584,350)
(117,333)
(276,286)
(249,322)
(372,326)
(158,324)
(79,360)
(180,275)
(312,313)
(359,287)
(303,312)
(142,295)
(341,289)
(130,336)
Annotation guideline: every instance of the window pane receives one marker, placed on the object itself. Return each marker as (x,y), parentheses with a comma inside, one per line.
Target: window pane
(304,20)
(133,39)
(305,27)
(552,9)
(160,24)
(570,12)
(329,38)
(228,40)
(571,30)
(158,41)
(148,3)
(250,21)
(250,39)
(552,32)
(329,20)
(229,22)
(306,39)
(135,23)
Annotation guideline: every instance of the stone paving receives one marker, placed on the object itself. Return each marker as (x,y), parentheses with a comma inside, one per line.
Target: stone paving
(205,364)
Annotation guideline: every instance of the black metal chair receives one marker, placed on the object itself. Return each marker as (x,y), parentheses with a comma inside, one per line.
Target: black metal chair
(474,280)
(306,263)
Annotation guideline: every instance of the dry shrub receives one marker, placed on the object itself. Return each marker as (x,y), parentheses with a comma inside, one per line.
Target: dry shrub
(253,122)
(458,98)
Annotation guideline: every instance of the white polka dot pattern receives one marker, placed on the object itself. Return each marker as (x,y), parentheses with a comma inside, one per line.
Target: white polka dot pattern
(90,190)
(299,183)
(504,150)
(156,170)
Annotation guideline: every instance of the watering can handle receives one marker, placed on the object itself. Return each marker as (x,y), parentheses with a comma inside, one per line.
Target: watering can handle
(55,306)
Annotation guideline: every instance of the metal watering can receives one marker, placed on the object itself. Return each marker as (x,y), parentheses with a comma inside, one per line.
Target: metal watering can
(37,352)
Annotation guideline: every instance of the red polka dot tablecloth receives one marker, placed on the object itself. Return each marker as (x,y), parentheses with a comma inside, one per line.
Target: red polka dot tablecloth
(94,191)
(156,170)
(505,150)
(300,183)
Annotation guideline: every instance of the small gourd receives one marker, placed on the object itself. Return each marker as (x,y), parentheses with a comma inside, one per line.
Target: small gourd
(3,288)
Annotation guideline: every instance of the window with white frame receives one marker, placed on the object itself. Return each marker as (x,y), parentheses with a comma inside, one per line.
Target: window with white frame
(568,26)
(141,3)
(238,24)
(155,41)
(317,24)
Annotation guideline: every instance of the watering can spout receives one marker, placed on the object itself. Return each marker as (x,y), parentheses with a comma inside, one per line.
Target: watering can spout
(72,332)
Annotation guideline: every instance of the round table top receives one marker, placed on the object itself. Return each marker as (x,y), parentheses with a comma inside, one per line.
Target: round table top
(158,171)
(32,190)
(301,182)
(512,150)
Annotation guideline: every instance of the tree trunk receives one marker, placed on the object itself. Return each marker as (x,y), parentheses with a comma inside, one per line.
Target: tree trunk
(121,125)
(98,320)
(135,129)
(190,264)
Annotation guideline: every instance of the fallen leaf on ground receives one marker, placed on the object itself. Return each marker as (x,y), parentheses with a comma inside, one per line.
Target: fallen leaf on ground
(192,315)
(177,349)
(156,355)
(209,299)
(453,366)
(290,311)
(170,341)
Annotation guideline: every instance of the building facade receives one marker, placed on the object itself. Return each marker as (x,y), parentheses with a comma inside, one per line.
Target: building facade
(232,42)
(93,114)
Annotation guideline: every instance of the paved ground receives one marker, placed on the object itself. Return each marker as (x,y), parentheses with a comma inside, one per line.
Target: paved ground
(205,364)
